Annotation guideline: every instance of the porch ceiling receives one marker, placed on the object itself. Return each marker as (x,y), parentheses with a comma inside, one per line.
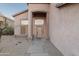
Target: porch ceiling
(39,14)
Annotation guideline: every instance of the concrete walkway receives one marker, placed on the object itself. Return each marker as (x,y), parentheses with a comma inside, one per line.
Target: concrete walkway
(43,48)
(20,46)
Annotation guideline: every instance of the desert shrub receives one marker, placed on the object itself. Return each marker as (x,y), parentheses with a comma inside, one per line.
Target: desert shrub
(8,31)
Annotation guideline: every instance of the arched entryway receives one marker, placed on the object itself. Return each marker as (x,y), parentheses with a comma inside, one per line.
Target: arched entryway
(39,25)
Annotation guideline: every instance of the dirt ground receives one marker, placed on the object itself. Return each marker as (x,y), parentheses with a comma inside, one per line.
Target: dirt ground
(11,45)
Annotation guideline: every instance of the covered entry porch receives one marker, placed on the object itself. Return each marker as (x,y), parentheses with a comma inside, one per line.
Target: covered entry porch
(38,25)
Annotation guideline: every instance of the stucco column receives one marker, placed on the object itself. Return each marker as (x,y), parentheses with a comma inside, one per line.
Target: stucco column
(47,21)
(30,25)
(46,26)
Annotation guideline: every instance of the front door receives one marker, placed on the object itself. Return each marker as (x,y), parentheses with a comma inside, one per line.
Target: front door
(39,31)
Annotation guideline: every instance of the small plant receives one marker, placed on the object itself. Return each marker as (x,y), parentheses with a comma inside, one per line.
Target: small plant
(8,31)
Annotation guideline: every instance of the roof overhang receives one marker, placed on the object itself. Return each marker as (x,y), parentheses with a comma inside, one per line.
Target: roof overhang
(20,13)
(60,4)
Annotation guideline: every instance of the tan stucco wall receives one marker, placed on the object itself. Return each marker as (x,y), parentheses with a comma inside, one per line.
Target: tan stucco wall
(64,28)
(10,22)
(17,24)
(34,8)
(38,7)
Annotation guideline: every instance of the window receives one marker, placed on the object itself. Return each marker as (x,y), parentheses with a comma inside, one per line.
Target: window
(24,22)
(39,22)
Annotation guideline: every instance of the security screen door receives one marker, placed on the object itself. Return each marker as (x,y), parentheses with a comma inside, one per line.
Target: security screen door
(39,28)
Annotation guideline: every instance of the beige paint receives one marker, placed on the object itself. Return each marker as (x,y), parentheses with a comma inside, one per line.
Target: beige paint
(34,8)
(64,28)
(63,25)
(5,20)
(17,23)
(38,7)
